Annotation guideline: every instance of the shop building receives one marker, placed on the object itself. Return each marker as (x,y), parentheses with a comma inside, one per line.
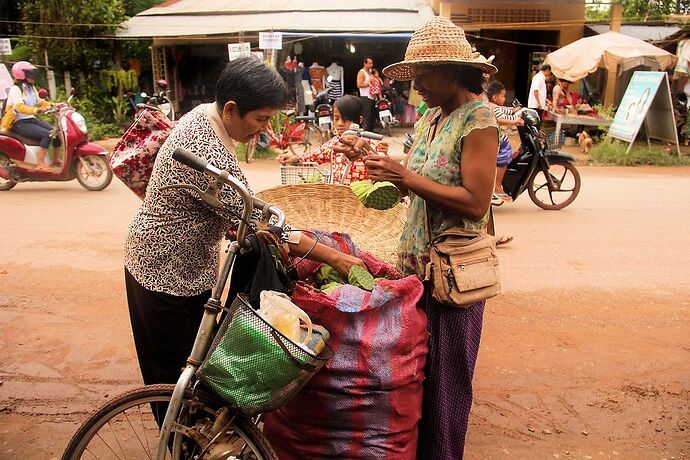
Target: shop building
(519,33)
(191,38)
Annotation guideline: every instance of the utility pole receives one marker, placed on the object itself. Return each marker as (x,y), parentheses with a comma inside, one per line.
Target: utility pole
(612,76)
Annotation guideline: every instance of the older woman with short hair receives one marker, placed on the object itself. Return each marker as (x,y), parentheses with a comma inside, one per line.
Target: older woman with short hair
(449,177)
(172,244)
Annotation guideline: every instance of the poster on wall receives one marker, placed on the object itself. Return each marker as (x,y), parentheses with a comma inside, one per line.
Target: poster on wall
(647,99)
(237,50)
(6,81)
(683,53)
(270,40)
(5,46)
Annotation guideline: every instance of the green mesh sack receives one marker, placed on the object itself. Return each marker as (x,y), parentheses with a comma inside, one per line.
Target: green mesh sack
(253,367)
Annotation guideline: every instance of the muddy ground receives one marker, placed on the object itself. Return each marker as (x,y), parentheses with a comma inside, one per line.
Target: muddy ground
(585,355)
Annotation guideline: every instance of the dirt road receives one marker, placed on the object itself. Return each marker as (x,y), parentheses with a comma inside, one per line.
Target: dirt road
(585,355)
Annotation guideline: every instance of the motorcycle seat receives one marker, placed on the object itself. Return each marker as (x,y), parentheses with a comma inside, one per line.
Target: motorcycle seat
(19,137)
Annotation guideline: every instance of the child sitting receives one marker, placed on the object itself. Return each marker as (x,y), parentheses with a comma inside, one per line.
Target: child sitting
(346,110)
(507,117)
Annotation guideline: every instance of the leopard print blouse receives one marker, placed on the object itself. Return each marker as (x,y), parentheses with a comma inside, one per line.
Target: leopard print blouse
(173,242)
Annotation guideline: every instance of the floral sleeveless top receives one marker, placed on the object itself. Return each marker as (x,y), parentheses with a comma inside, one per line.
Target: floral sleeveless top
(442,165)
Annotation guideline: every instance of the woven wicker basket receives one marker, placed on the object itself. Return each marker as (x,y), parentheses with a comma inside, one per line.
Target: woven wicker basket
(335,208)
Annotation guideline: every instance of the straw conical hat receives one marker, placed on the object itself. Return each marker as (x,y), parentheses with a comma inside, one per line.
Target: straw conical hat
(439,41)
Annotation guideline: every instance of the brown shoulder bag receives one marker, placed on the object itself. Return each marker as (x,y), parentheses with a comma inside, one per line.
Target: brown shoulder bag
(463,265)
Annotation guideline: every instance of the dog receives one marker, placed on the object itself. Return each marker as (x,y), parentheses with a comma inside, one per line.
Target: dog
(585,142)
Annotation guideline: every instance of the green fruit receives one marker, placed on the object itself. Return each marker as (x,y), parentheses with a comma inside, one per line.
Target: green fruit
(379,195)
(330,287)
(313,178)
(361,278)
(327,274)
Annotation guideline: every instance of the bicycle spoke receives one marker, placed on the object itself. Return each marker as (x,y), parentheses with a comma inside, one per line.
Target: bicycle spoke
(87,450)
(117,440)
(143,429)
(137,436)
(106,444)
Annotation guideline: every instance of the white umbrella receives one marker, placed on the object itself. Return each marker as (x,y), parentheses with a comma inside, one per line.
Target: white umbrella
(586,55)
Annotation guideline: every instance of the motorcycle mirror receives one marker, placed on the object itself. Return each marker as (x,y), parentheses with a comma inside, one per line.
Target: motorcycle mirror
(42,93)
(144,95)
(516,103)
(72,91)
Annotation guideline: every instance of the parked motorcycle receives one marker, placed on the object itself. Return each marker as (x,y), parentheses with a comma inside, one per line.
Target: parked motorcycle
(324,112)
(550,177)
(160,100)
(82,160)
(383,106)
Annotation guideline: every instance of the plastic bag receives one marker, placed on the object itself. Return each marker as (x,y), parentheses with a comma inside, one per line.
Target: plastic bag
(279,311)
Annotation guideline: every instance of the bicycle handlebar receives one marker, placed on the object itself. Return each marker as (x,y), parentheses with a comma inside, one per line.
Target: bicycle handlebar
(249,202)
(189,159)
(355,130)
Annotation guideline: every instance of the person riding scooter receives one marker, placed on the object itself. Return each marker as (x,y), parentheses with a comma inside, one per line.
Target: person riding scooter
(22,106)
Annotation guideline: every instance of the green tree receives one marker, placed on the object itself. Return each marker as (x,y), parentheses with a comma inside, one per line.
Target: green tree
(637,10)
(90,22)
(133,7)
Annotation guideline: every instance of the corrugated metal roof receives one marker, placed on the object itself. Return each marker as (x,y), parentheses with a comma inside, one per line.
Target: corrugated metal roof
(185,25)
(266,6)
(646,33)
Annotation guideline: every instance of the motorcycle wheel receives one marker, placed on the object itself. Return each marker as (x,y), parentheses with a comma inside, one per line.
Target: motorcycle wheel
(6,184)
(566,180)
(96,176)
(388,129)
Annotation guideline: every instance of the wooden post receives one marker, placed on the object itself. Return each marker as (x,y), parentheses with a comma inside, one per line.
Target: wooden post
(612,75)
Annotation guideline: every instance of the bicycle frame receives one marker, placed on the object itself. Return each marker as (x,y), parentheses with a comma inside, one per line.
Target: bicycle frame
(212,307)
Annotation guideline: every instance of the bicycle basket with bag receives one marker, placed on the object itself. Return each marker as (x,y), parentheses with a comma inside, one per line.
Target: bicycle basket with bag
(254,367)
(134,154)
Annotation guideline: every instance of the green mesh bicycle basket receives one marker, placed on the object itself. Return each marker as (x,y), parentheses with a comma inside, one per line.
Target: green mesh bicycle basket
(252,366)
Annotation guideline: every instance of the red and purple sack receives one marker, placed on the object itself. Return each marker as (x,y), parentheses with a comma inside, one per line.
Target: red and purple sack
(133,156)
(367,401)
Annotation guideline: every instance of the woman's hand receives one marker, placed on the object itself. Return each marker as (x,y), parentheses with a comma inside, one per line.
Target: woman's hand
(288,159)
(343,262)
(382,168)
(353,147)
(382,147)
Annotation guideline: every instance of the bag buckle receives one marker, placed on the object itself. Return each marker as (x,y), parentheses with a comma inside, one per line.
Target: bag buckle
(449,276)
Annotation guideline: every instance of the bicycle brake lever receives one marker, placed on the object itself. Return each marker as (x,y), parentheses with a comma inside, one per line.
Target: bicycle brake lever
(210,195)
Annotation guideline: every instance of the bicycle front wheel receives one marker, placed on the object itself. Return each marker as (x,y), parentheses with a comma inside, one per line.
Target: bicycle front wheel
(313,139)
(127,427)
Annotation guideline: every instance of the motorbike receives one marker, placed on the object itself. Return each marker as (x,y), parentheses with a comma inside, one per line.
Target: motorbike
(550,177)
(160,100)
(383,107)
(323,112)
(82,160)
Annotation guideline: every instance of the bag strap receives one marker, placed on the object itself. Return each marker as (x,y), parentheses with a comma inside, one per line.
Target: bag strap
(427,221)
(435,124)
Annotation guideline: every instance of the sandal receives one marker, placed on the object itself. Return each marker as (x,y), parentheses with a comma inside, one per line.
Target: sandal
(504,196)
(503,240)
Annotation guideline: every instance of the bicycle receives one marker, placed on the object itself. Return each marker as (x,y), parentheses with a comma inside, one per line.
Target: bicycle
(313,173)
(299,136)
(187,420)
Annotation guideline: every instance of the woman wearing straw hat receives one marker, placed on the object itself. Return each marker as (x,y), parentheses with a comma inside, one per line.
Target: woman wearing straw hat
(451,168)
